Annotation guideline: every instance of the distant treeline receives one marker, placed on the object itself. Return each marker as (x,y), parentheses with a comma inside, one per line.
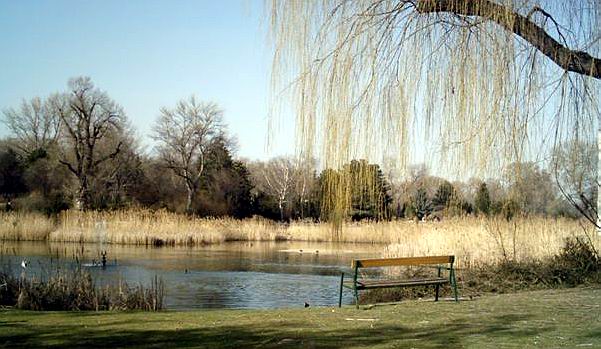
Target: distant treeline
(77,149)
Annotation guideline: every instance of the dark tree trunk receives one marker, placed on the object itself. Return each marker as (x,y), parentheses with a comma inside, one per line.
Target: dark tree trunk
(83,194)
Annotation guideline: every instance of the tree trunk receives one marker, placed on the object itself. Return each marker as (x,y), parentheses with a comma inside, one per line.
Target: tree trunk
(82,201)
(189,198)
(281,207)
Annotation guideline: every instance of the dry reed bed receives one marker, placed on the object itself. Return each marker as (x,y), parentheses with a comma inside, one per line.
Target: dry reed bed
(25,226)
(143,227)
(473,240)
(478,242)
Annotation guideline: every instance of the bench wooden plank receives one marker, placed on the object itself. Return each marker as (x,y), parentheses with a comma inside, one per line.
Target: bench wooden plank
(391,262)
(400,283)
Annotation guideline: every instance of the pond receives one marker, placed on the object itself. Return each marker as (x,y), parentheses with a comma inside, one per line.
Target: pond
(229,275)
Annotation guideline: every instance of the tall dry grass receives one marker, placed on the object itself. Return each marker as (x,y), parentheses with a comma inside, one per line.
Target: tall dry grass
(481,241)
(77,290)
(25,226)
(144,227)
(473,240)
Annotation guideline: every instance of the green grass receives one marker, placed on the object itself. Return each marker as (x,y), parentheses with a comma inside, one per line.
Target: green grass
(546,319)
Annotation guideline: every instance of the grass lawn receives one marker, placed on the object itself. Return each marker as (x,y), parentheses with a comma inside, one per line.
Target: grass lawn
(546,319)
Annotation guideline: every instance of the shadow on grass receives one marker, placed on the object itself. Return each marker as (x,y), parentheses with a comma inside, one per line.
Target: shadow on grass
(264,334)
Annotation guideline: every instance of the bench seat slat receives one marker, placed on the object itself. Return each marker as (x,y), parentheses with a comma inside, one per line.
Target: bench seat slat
(367,284)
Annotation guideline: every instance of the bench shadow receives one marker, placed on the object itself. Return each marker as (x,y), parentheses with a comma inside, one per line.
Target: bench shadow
(265,335)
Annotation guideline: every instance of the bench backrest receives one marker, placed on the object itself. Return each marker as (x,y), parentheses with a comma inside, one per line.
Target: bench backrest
(393,262)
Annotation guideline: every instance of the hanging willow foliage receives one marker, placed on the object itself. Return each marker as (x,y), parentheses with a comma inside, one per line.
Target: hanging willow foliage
(465,85)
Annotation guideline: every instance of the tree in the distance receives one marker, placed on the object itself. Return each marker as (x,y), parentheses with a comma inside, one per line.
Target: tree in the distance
(531,187)
(482,200)
(89,118)
(443,196)
(421,203)
(184,134)
(115,181)
(276,178)
(34,125)
(574,167)
(369,191)
(12,182)
(226,186)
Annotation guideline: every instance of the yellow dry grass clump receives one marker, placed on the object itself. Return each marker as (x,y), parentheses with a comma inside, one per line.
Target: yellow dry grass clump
(476,241)
(25,226)
(473,240)
(144,227)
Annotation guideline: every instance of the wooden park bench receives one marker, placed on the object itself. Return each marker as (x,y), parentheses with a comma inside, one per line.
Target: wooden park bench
(358,283)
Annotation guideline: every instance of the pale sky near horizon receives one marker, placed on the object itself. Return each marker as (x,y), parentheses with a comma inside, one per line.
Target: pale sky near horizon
(147,54)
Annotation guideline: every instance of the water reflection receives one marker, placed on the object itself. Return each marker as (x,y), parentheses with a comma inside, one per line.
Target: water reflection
(231,275)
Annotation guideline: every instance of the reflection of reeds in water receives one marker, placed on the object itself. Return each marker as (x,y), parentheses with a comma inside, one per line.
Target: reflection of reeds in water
(472,240)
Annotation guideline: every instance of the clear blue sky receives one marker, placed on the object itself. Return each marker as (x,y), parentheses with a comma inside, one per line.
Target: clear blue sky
(146,54)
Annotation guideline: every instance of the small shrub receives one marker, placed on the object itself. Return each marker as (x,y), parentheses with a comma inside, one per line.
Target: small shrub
(76,290)
(577,263)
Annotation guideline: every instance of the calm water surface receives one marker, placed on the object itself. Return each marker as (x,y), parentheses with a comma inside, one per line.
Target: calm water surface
(230,275)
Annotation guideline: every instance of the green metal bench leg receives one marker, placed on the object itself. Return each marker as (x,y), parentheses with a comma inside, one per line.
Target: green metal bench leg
(438,285)
(355,286)
(454,284)
(340,292)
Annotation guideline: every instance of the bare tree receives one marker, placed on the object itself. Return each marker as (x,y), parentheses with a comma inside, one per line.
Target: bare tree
(185,134)
(304,183)
(115,178)
(276,177)
(89,116)
(33,124)
(531,187)
(574,166)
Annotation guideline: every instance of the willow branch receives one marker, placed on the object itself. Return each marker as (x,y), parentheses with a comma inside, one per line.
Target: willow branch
(570,60)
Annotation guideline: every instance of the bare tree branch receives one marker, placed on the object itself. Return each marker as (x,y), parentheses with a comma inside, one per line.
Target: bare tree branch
(184,134)
(570,60)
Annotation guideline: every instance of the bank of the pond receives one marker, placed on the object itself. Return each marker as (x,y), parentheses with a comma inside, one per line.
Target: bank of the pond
(265,274)
(473,240)
(547,319)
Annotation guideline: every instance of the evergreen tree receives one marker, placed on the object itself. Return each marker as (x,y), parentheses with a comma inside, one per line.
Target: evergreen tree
(482,200)
(422,203)
(12,170)
(226,185)
(442,197)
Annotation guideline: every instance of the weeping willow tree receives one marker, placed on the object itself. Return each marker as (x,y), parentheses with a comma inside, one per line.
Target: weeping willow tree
(470,85)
